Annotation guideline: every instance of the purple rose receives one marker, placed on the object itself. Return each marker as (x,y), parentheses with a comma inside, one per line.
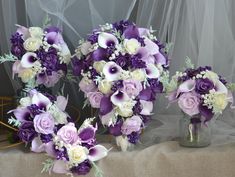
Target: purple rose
(132,87)
(44,123)
(95,99)
(68,133)
(132,124)
(87,134)
(115,130)
(189,103)
(87,85)
(18,50)
(26,132)
(203,86)
(82,168)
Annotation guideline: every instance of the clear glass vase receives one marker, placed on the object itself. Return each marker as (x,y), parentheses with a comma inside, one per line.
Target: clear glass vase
(194,132)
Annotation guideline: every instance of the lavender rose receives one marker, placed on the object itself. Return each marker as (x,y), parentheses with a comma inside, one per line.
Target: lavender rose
(203,86)
(44,123)
(132,124)
(26,132)
(132,87)
(95,99)
(87,85)
(189,103)
(68,133)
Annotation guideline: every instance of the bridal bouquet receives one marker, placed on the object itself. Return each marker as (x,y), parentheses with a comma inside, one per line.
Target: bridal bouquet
(76,150)
(121,67)
(200,91)
(37,117)
(40,56)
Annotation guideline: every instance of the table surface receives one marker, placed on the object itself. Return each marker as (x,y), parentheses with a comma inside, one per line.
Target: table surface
(166,159)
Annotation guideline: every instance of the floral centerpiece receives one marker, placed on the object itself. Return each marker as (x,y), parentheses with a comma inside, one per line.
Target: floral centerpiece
(76,150)
(37,117)
(122,67)
(201,94)
(40,56)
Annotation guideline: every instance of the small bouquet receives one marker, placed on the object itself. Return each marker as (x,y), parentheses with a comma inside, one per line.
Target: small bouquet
(38,117)
(122,68)
(40,56)
(76,150)
(200,91)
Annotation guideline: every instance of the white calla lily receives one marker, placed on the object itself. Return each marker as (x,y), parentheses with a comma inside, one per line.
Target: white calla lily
(106,39)
(28,60)
(152,71)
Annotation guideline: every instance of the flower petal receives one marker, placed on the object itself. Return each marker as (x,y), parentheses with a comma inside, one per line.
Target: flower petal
(131,32)
(21,114)
(119,97)
(147,107)
(160,59)
(97,152)
(49,148)
(105,40)
(220,87)
(28,59)
(107,119)
(186,86)
(37,145)
(151,46)
(105,106)
(112,71)
(16,68)
(59,167)
(40,100)
(87,134)
(152,71)
(24,31)
(99,54)
(61,102)
(143,31)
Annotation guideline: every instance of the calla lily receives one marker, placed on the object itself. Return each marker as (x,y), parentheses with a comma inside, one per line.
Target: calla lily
(106,40)
(119,97)
(147,107)
(40,100)
(186,86)
(105,106)
(54,38)
(143,31)
(61,102)
(87,134)
(23,31)
(220,87)
(108,118)
(16,68)
(37,145)
(152,71)
(21,114)
(160,59)
(60,167)
(28,59)
(151,46)
(97,152)
(112,71)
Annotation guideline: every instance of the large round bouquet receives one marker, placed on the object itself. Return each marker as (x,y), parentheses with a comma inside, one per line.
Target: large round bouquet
(121,67)
(200,91)
(41,55)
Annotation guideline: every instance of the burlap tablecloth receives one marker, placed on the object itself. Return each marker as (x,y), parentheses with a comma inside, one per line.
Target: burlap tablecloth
(167,159)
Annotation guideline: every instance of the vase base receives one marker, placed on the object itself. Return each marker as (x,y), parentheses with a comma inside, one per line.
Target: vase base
(194,144)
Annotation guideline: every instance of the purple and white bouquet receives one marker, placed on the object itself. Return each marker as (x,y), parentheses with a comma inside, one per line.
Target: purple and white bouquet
(76,150)
(40,56)
(37,117)
(200,91)
(121,67)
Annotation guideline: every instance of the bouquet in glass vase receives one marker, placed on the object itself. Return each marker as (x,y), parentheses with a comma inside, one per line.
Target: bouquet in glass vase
(122,68)
(40,56)
(202,95)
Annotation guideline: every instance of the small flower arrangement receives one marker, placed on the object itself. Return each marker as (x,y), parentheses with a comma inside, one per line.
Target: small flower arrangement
(37,117)
(76,151)
(200,91)
(122,68)
(40,56)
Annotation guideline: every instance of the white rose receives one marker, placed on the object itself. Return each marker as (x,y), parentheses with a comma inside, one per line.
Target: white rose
(26,75)
(99,65)
(125,109)
(59,116)
(125,75)
(26,101)
(138,74)
(32,44)
(131,45)
(36,32)
(105,86)
(212,76)
(77,154)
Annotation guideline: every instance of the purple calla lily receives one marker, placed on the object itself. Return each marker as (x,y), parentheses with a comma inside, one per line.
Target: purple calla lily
(105,106)
(152,71)
(28,59)
(186,86)
(106,40)
(97,152)
(112,71)
(119,97)
(21,114)
(40,100)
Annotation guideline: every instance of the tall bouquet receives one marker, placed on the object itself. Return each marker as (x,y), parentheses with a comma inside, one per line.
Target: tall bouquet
(122,67)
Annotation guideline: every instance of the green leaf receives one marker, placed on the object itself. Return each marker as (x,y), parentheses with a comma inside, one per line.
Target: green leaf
(168,47)
(7,57)
(46,21)
(188,63)
(14,122)
(231,86)
(47,165)
(98,171)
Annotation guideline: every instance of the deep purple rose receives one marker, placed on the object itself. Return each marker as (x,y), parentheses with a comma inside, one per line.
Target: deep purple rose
(82,168)
(26,132)
(203,86)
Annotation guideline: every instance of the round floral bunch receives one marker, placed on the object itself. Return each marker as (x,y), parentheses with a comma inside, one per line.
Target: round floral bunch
(121,67)
(41,55)
(76,150)
(38,117)
(200,91)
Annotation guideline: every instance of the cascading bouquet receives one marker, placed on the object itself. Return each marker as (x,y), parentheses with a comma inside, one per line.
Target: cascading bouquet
(40,56)
(76,150)
(122,67)
(200,91)
(37,117)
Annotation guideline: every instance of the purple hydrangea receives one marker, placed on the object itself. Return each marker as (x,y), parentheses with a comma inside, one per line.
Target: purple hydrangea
(78,66)
(93,38)
(17,47)
(27,132)
(155,85)
(61,154)
(46,138)
(122,25)
(134,137)
(82,168)
(137,63)
(34,110)
(117,85)
(137,108)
